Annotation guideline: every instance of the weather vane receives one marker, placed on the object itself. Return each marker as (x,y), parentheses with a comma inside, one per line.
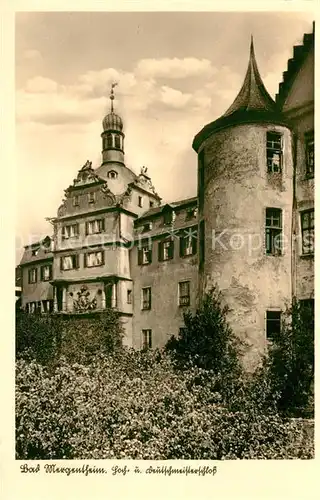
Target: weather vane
(113,85)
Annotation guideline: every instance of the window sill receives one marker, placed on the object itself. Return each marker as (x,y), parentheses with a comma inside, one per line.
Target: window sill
(274,254)
(307,256)
(188,255)
(146,309)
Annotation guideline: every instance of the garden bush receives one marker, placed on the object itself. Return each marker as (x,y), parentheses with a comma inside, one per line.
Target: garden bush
(79,339)
(135,405)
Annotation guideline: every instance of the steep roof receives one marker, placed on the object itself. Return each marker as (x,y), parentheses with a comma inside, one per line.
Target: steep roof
(175,204)
(300,53)
(252,104)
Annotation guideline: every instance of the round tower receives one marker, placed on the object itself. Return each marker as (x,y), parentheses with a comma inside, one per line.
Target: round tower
(112,135)
(245,190)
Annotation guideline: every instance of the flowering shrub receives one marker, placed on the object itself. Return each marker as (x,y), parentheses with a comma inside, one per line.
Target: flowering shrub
(135,405)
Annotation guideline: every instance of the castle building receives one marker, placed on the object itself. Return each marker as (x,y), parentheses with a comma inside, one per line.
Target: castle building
(250,229)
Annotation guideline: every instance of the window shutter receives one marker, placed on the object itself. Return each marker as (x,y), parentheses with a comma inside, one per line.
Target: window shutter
(77,261)
(139,256)
(102,257)
(102,225)
(87,232)
(194,244)
(41,273)
(171,250)
(61,263)
(160,251)
(182,246)
(150,254)
(150,298)
(50,272)
(84,260)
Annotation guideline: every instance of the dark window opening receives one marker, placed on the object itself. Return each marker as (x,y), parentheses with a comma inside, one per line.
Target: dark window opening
(146,339)
(201,244)
(117,142)
(273,324)
(273,231)
(146,299)
(166,250)
(274,152)
(201,179)
(309,146)
(307,229)
(184,293)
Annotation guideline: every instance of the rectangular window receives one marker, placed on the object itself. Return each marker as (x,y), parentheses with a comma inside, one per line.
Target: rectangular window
(70,231)
(168,218)
(188,243)
(184,293)
(307,228)
(273,324)
(274,152)
(46,273)
(166,250)
(273,231)
(140,201)
(145,254)
(201,244)
(146,339)
(32,275)
(94,259)
(129,296)
(191,213)
(147,227)
(35,252)
(146,298)
(69,262)
(309,145)
(91,197)
(151,203)
(75,200)
(95,226)
(201,179)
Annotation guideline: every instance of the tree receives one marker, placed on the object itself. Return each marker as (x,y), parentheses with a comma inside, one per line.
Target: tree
(291,360)
(207,340)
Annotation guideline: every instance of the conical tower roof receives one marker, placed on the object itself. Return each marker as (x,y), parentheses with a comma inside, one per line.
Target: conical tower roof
(253,94)
(253,104)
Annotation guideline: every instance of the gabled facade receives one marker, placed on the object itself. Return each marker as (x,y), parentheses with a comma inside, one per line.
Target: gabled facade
(249,229)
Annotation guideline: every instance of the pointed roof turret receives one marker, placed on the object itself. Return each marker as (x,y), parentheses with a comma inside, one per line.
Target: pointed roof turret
(253,104)
(253,94)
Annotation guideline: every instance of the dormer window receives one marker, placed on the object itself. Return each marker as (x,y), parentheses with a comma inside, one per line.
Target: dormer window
(112,174)
(91,197)
(191,213)
(35,251)
(147,227)
(167,218)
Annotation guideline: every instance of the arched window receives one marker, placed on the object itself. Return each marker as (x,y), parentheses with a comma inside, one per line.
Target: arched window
(117,142)
(109,141)
(112,174)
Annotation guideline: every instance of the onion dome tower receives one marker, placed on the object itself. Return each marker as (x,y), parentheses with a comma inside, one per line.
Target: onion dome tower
(245,194)
(112,135)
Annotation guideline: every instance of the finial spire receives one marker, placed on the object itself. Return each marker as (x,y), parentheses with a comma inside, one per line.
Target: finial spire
(251,46)
(112,94)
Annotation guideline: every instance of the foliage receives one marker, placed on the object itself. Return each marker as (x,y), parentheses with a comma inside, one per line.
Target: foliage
(136,405)
(46,337)
(207,340)
(290,365)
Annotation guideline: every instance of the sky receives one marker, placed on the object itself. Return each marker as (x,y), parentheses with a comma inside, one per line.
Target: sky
(175,71)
